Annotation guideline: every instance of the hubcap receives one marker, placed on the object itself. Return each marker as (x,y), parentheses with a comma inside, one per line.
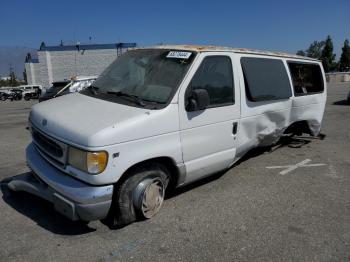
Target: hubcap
(149,197)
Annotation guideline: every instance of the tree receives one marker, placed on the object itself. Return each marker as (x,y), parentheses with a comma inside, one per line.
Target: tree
(328,56)
(28,57)
(301,53)
(13,79)
(315,49)
(42,46)
(25,77)
(344,63)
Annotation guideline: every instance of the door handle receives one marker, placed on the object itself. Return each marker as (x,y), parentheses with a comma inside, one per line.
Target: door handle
(234,128)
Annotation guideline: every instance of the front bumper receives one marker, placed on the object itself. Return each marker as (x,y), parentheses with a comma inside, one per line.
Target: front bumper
(70,197)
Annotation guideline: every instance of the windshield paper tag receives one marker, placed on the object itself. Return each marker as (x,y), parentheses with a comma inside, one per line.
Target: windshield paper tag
(179,54)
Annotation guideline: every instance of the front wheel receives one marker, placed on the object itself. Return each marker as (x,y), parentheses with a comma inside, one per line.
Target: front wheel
(148,196)
(140,195)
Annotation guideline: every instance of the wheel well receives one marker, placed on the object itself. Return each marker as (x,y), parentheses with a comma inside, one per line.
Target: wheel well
(298,128)
(167,162)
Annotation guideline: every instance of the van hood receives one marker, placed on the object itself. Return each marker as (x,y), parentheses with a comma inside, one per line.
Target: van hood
(85,121)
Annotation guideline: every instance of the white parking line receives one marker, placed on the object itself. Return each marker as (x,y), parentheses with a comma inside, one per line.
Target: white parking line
(290,168)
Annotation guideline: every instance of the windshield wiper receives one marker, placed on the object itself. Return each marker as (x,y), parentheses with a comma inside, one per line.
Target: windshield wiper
(153,101)
(134,98)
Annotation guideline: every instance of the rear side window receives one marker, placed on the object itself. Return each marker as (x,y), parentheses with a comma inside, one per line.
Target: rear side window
(215,75)
(265,79)
(307,78)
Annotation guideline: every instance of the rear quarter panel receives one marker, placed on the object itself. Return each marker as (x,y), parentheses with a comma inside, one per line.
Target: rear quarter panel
(263,123)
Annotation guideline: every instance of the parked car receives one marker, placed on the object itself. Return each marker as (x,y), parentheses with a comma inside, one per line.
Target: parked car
(31,91)
(17,93)
(29,88)
(164,117)
(11,94)
(4,95)
(65,87)
(348,98)
(32,95)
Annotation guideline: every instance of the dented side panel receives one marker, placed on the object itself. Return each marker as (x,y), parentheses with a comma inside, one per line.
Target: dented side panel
(263,123)
(260,123)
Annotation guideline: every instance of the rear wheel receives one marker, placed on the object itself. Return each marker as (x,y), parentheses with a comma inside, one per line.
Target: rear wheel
(139,196)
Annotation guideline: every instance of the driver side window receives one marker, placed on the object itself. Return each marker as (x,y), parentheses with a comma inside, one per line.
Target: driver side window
(215,75)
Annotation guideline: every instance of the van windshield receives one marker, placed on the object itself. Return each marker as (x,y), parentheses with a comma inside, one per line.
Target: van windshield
(144,78)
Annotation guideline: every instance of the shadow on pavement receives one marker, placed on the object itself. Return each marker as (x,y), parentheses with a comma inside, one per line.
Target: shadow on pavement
(289,141)
(342,103)
(42,212)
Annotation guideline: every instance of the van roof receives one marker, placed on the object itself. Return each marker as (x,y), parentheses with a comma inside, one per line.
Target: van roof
(210,48)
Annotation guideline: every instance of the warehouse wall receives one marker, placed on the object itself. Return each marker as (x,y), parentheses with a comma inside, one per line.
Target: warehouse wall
(338,77)
(65,64)
(33,73)
(58,65)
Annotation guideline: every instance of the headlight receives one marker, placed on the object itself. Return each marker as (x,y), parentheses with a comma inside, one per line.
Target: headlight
(91,162)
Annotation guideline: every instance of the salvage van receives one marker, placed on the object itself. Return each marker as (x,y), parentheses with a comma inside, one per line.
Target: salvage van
(163,117)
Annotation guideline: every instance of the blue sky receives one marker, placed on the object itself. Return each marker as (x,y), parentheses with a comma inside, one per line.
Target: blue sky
(268,25)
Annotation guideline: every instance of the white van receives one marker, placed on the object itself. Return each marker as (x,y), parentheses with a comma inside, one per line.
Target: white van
(165,117)
(30,88)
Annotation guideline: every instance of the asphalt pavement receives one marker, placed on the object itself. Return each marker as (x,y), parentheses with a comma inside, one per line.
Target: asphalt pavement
(290,203)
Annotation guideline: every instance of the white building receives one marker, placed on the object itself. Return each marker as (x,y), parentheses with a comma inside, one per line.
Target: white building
(56,63)
(5,78)
(337,77)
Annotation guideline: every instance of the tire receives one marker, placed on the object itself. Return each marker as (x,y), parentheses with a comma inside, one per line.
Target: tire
(6,191)
(138,196)
(26,98)
(3,98)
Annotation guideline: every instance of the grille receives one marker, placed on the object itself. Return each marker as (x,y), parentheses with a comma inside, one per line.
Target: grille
(47,145)
(51,149)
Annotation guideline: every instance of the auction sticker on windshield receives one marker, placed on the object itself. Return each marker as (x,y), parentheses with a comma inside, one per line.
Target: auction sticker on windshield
(179,54)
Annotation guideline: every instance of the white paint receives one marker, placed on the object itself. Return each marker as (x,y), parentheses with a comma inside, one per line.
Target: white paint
(49,66)
(32,72)
(207,142)
(290,168)
(203,141)
(332,172)
(262,123)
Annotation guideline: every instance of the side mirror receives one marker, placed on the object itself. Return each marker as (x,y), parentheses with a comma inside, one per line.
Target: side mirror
(199,100)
